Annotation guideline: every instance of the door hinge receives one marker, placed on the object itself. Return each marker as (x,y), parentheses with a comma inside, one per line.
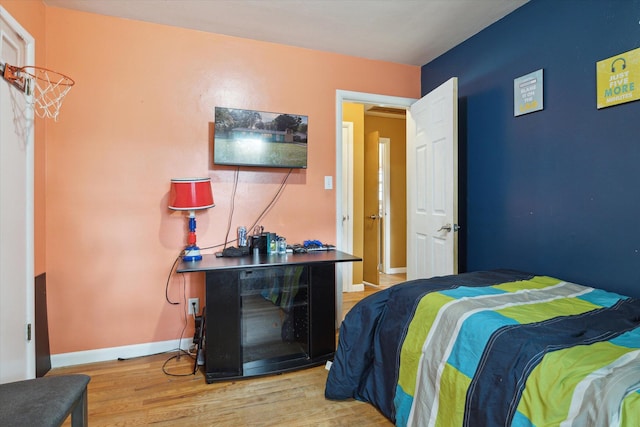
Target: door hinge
(28,331)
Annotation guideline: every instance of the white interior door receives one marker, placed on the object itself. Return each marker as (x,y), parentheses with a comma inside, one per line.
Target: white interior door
(432,171)
(17,351)
(385,209)
(346,268)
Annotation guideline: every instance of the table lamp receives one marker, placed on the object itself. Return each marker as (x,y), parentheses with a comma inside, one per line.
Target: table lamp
(191,194)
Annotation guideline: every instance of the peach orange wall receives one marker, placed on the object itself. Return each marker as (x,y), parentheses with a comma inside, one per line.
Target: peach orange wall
(31,15)
(141,112)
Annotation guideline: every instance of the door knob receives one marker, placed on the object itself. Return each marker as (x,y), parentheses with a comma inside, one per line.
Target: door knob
(447,228)
(374,217)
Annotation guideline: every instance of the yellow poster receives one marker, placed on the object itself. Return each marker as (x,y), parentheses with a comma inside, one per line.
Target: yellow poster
(618,79)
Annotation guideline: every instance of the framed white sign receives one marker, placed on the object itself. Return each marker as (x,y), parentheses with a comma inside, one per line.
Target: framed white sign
(528,93)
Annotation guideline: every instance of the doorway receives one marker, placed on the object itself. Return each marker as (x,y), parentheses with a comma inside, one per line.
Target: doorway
(358,98)
(384,196)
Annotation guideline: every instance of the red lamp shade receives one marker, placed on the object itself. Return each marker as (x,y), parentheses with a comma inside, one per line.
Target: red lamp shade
(191,194)
(188,194)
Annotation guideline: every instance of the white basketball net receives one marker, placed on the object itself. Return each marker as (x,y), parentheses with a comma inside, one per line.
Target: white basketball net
(47,89)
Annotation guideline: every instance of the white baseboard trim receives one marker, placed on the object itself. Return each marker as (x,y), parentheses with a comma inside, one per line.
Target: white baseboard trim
(372,285)
(396,270)
(115,353)
(355,287)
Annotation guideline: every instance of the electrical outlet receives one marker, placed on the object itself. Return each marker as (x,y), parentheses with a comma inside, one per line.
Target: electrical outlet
(193,301)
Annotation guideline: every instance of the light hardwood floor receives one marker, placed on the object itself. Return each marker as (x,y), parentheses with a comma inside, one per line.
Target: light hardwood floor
(387,280)
(138,392)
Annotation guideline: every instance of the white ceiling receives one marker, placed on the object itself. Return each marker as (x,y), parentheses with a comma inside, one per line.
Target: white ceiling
(410,32)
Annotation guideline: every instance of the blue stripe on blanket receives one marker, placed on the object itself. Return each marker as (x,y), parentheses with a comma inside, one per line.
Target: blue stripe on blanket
(465,291)
(628,339)
(601,298)
(475,334)
(520,420)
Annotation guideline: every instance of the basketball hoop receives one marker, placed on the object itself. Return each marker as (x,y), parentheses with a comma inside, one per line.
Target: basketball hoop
(46,87)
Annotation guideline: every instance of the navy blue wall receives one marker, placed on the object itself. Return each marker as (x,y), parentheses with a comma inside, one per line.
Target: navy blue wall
(554,192)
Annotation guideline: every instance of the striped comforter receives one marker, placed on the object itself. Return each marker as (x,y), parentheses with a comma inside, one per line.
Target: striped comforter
(493,349)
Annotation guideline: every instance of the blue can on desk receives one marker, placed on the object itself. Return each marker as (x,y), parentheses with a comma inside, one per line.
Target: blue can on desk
(242,236)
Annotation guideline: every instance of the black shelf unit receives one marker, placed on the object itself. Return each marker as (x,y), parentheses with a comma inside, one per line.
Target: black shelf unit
(268,314)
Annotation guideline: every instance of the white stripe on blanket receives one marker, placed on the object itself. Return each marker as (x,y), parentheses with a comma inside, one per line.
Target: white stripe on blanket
(596,399)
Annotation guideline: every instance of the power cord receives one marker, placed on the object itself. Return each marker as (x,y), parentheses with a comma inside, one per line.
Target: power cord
(260,217)
(184,313)
(177,357)
(164,365)
(166,288)
(232,208)
(184,327)
(273,200)
(124,359)
(184,301)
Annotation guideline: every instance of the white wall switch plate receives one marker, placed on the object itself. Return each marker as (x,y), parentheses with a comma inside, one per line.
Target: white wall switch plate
(328,183)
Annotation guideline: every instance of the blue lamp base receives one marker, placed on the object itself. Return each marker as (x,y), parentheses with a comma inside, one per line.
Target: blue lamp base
(191,253)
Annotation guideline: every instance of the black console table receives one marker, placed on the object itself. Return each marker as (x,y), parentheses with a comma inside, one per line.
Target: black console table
(268,313)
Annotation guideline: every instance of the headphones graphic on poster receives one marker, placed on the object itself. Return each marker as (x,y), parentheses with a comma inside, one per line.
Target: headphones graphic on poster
(618,79)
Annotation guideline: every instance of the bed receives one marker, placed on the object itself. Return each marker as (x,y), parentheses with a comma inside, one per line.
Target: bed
(492,348)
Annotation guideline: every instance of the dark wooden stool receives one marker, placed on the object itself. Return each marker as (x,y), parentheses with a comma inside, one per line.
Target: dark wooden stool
(45,401)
